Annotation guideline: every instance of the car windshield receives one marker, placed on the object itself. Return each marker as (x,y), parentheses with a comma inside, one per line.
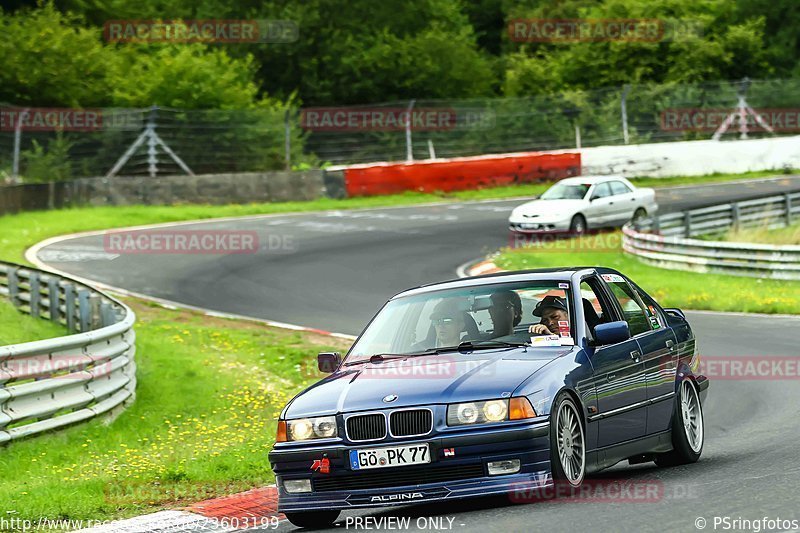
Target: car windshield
(563,191)
(476,317)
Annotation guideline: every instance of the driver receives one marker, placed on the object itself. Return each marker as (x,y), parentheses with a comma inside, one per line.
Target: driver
(552,309)
(506,312)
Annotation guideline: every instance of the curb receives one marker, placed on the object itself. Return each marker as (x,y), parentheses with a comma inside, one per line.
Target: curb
(478,267)
(254,508)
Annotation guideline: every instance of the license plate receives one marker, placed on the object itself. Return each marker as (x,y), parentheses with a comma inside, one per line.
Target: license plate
(414,454)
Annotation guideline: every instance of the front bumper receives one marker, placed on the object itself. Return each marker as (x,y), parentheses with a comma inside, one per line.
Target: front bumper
(538,226)
(462,475)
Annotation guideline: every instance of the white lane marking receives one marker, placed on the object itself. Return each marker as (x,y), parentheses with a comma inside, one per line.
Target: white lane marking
(392,217)
(68,255)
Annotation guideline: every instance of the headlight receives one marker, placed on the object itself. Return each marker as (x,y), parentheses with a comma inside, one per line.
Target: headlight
(301,429)
(461,414)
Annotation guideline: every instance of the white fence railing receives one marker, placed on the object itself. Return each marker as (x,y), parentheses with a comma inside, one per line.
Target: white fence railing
(52,383)
(666,241)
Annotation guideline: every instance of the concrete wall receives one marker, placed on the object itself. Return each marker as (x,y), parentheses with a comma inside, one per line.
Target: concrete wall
(692,158)
(204,189)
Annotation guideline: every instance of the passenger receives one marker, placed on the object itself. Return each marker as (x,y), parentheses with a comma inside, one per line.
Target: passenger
(506,312)
(552,309)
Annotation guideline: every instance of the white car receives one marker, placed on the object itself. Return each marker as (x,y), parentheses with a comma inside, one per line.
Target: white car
(584,202)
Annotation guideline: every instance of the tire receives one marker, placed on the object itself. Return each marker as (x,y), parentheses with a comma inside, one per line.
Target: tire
(578,225)
(688,428)
(639,214)
(567,442)
(313,519)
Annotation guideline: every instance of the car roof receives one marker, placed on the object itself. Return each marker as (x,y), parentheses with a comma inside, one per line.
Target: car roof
(591,180)
(512,276)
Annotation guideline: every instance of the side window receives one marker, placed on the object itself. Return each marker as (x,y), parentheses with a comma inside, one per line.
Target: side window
(657,320)
(601,191)
(635,312)
(617,187)
(595,310)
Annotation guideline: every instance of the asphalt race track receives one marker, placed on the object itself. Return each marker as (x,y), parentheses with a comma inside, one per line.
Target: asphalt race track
(331,270)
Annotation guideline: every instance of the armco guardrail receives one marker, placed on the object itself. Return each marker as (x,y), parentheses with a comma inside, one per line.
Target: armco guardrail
(666,241)
(52,383)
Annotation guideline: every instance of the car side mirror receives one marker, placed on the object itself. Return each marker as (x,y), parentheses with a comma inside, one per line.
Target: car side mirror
(674,311)
(611,333)
(329,362)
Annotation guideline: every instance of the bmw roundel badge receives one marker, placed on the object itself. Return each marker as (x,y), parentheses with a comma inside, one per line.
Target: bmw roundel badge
(390,398)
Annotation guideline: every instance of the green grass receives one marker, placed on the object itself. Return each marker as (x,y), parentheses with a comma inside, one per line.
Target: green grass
(209,391)
(787,235)
(709,178)
(671,288)
(19,232)
(16,327)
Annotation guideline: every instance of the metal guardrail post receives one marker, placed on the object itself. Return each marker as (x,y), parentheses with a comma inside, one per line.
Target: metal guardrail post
(69,305)
(687,224)
(84,310)
(13,286)
(35,293)
(55,301)
(788,199)
(95,319)
(734,216)
(656,224)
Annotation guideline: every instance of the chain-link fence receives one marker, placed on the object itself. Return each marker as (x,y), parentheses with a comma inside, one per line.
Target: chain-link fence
(41,144)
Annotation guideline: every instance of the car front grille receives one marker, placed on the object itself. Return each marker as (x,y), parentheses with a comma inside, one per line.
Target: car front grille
(366,427)
(397,477)
(411,423)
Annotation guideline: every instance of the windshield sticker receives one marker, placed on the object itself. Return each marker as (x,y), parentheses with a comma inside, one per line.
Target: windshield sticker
(613,278)
(654,322)
(546,340)
(563,328)
(567,341)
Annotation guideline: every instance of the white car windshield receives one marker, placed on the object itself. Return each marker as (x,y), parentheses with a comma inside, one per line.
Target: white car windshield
(562,191)
(484,316)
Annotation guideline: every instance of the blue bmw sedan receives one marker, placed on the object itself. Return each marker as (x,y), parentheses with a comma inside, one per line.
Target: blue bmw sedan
(492,384)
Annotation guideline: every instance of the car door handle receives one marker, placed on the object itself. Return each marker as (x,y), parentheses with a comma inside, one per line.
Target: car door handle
(610,203)
(671,346)
(633,199)
(611,377)
(635,355)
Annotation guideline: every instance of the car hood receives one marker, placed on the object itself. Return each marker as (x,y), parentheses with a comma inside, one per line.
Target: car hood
(546,209)
(437,379)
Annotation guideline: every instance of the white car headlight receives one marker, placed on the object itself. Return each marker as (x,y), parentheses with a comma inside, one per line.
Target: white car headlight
(461,414)
(323,427)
